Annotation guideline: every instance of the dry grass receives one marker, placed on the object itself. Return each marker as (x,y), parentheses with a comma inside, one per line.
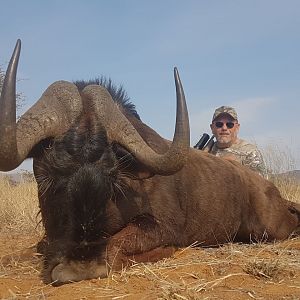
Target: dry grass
(280,161)
(196,272)
(233,271)
(289,188)
(263,268)
(19,207)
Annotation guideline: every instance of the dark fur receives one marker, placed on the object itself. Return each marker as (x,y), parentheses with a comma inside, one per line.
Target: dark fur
(118,94)
(96,209)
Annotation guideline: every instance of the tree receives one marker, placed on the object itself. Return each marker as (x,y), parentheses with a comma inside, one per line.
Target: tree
(20,97)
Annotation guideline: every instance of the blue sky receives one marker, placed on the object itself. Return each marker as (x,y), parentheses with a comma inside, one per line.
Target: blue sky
(240,53)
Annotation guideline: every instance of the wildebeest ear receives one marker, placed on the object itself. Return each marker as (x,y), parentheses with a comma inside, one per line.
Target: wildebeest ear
(129,164)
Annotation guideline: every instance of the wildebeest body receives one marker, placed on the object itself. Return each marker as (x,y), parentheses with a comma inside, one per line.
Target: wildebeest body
(210,201)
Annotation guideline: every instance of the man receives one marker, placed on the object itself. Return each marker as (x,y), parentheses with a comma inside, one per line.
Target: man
(225,128)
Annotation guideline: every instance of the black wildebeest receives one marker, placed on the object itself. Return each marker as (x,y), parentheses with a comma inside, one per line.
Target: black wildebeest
(111,190)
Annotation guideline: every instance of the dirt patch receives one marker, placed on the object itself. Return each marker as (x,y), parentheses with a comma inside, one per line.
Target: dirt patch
(261,271)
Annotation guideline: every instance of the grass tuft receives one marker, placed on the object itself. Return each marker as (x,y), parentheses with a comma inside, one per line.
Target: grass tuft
(263,268)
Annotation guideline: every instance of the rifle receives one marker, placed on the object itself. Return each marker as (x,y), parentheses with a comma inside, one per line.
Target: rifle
(201,143)
(205,143)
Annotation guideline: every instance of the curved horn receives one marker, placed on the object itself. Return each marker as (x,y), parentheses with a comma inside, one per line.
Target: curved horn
(8,147)
(52,115)
(121,130)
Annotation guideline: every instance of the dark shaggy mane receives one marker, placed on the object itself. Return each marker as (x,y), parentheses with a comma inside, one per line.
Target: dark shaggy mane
(117,93)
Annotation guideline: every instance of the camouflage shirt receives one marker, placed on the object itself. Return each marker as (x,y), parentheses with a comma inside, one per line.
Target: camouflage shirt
(247,154)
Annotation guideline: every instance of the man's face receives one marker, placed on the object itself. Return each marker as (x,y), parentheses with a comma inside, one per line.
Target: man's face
(225,135)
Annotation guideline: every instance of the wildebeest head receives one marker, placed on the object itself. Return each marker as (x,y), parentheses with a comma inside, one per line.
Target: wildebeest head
(82,143)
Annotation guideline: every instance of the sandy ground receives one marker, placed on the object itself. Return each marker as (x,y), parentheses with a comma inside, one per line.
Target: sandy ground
(262,271)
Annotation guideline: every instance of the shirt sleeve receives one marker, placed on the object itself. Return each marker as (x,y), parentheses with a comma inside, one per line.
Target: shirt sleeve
(254,160)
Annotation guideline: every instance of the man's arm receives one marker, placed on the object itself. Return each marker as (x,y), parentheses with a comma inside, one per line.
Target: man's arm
(254,160)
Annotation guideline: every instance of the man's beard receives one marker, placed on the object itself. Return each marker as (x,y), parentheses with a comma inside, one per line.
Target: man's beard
(224,141)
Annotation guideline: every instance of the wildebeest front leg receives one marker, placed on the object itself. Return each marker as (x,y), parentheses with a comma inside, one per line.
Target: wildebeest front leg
(140,241)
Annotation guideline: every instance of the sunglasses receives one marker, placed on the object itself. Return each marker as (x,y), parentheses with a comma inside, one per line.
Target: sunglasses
(221,124)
